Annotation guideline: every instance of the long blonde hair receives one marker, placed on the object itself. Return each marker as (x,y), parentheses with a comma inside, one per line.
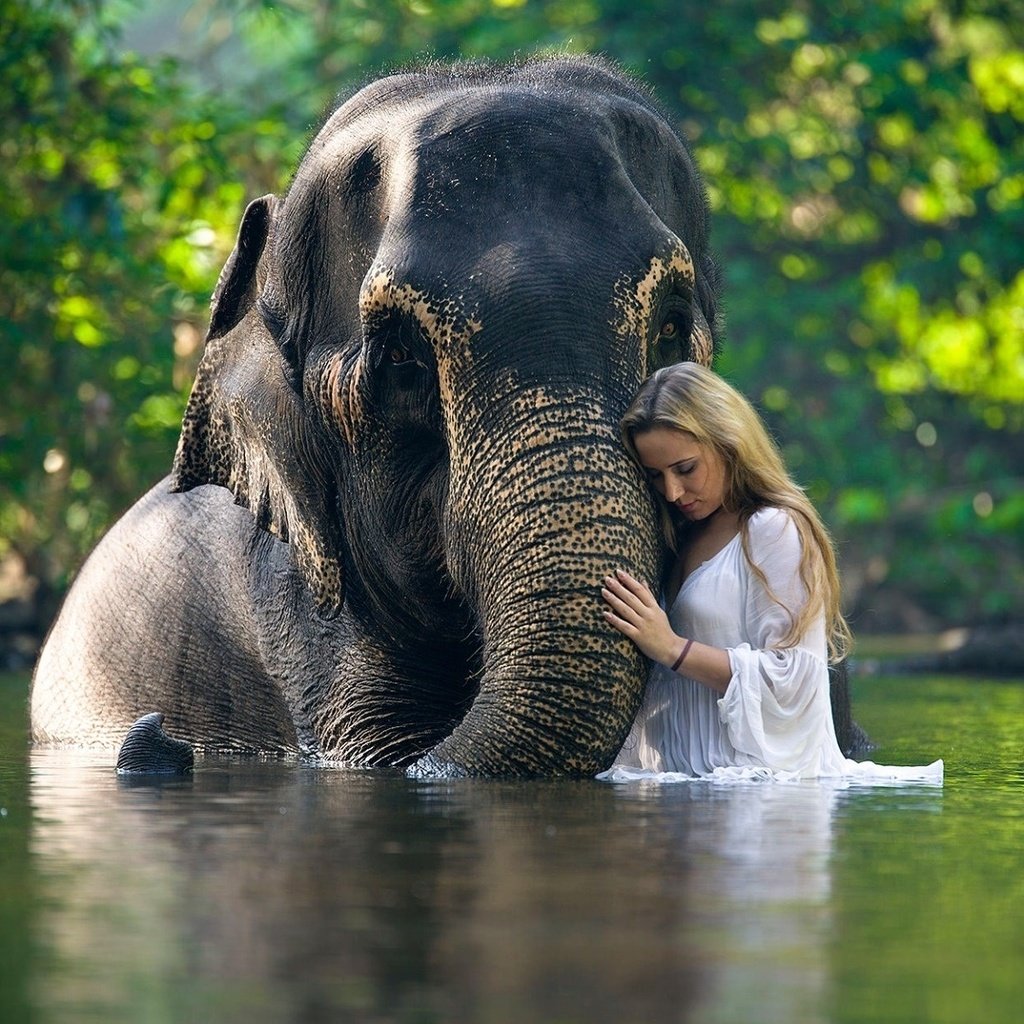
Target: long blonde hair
(691,398)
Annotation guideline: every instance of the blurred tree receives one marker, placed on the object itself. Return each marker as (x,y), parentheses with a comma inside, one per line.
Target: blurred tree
(122,189)
(865,163)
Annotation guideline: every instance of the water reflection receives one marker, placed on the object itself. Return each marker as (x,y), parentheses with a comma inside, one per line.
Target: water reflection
(758,899)
(266,891)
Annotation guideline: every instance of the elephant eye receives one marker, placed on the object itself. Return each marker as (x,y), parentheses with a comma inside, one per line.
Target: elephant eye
(397,355)
(675,326)
(672,329)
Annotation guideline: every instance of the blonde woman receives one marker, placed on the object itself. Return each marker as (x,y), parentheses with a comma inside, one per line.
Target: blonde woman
(750,613)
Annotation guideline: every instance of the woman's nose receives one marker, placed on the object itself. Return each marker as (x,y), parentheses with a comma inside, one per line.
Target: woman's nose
(674,490)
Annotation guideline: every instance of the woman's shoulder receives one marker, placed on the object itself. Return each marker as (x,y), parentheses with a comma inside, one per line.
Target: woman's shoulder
(772,531)
(770,520)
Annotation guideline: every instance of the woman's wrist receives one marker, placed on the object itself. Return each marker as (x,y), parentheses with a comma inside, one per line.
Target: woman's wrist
(680,656)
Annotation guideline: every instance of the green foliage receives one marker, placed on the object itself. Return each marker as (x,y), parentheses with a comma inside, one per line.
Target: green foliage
(865,163)
(122,190)
(867,215)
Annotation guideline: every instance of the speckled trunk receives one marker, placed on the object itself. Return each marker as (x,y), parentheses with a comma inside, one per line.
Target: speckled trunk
(559,686)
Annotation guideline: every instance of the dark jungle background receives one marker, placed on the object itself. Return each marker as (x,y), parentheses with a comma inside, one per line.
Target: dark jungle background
(865,166)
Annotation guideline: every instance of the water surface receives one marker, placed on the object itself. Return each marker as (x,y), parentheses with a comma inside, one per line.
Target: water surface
(266,891)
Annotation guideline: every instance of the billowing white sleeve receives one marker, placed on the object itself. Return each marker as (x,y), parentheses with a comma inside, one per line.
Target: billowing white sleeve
(776,708)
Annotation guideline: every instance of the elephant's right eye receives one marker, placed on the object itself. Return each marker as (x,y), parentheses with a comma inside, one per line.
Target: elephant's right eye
(398,354)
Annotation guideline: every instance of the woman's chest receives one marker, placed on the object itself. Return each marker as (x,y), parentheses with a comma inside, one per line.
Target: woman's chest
(711,602)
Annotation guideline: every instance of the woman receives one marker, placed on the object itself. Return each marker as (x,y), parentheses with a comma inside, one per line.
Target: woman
(740,685)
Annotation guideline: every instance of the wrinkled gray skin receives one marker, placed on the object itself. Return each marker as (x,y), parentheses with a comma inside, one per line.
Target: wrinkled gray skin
(399,480)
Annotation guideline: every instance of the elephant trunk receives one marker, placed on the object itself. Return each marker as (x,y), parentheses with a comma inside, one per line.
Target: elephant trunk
(559,686)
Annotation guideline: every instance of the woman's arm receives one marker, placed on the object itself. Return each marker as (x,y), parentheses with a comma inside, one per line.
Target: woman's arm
(634,612)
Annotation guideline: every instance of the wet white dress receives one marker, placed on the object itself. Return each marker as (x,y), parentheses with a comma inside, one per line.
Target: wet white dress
(775,718)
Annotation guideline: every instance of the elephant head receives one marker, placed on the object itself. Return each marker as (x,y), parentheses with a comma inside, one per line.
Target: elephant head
(416,364)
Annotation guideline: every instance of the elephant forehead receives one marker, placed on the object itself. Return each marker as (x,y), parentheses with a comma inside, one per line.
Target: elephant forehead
(495,140)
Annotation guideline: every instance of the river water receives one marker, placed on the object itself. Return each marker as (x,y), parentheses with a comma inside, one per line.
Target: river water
(267,891)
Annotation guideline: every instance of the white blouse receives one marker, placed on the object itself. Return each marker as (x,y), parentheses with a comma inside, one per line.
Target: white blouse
(775,718)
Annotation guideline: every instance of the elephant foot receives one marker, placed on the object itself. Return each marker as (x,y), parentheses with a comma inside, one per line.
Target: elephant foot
(148,750)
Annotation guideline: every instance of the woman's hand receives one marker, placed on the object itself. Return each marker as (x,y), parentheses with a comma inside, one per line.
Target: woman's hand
(634,612)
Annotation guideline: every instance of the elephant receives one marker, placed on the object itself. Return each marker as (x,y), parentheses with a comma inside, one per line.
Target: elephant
(398,480)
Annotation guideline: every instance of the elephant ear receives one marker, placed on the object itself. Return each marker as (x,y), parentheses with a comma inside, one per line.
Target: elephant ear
(246,427)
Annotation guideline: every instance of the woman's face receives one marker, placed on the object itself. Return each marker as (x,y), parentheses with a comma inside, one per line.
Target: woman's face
(686,474)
